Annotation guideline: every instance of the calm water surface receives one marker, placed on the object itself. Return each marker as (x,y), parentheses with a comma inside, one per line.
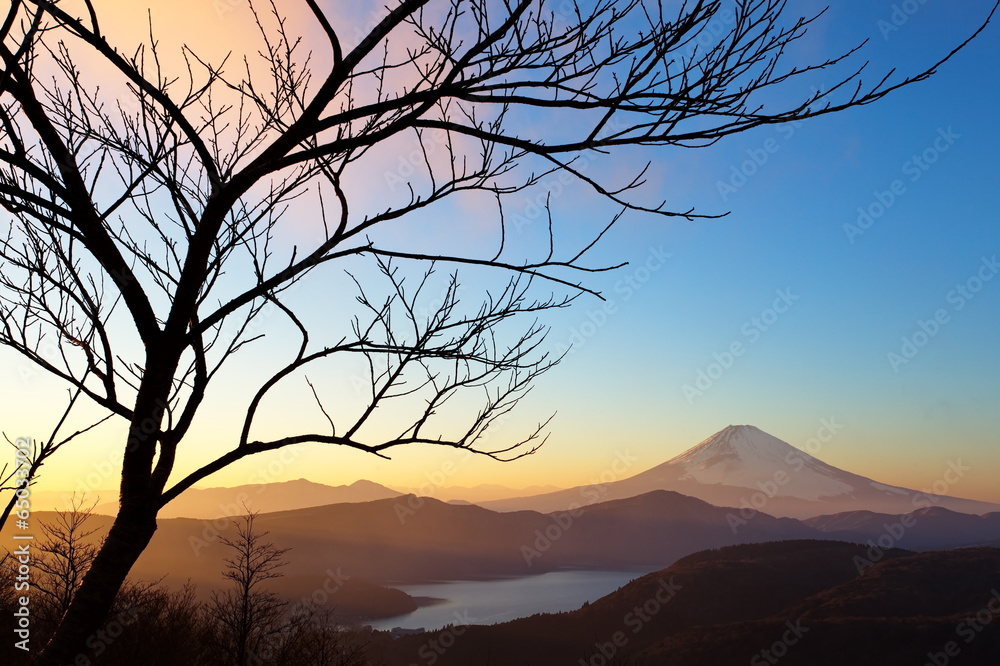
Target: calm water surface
(493,601)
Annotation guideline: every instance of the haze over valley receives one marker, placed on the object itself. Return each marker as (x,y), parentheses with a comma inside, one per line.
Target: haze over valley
(499,333)
(359,549)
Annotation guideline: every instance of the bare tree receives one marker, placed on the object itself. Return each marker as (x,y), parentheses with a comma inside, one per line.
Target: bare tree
(251,625)
(126,208)
(152,625)
(30,455)
(63,557)
(318,640)
(248,617)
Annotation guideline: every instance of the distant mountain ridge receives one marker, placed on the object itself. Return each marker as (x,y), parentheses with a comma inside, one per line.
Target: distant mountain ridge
(927,529)
(409,539)
(422,539)
(746,468)
(484,492)
(212,503)
(740,466)
(387,540)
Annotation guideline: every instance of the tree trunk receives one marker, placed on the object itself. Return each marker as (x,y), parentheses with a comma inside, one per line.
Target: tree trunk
(133,526)
(92,603)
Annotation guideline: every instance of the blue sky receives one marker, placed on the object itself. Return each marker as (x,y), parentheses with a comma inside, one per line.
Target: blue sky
(827,356)
(831,305)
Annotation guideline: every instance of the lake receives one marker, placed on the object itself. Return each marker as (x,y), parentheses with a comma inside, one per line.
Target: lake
(500,600)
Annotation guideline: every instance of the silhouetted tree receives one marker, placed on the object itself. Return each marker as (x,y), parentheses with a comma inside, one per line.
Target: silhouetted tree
(248,617)
(251,625)
(317,640)
(156,626)
(141,615)
(61,559)
(145,210)
(29,456)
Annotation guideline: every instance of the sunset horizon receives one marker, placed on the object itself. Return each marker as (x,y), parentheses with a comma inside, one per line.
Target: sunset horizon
(466,332)
(622,464)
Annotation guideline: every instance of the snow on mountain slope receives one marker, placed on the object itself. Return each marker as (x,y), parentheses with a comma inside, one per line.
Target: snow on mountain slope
(744,467)
(746,456)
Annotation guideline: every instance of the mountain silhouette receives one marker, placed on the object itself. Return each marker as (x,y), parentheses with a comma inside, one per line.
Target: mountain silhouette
(410,539)
(927,529)
(745,467)
(793,602)
(211,503)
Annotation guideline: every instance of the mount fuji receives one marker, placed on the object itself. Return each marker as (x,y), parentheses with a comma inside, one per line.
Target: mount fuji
(745,467)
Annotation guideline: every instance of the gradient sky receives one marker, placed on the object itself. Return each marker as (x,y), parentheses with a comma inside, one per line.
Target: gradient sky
(854,297)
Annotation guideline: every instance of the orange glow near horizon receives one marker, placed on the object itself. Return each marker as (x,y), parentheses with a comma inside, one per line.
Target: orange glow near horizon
(621,391)
(561,463)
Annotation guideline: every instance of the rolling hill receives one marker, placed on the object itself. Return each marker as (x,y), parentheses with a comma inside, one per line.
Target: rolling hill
(410,539)
(927,529)
(800,602)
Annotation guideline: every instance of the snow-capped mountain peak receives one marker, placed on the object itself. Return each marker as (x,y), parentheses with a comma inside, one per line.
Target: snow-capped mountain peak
(746,456)
(737,444)
(743,467)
